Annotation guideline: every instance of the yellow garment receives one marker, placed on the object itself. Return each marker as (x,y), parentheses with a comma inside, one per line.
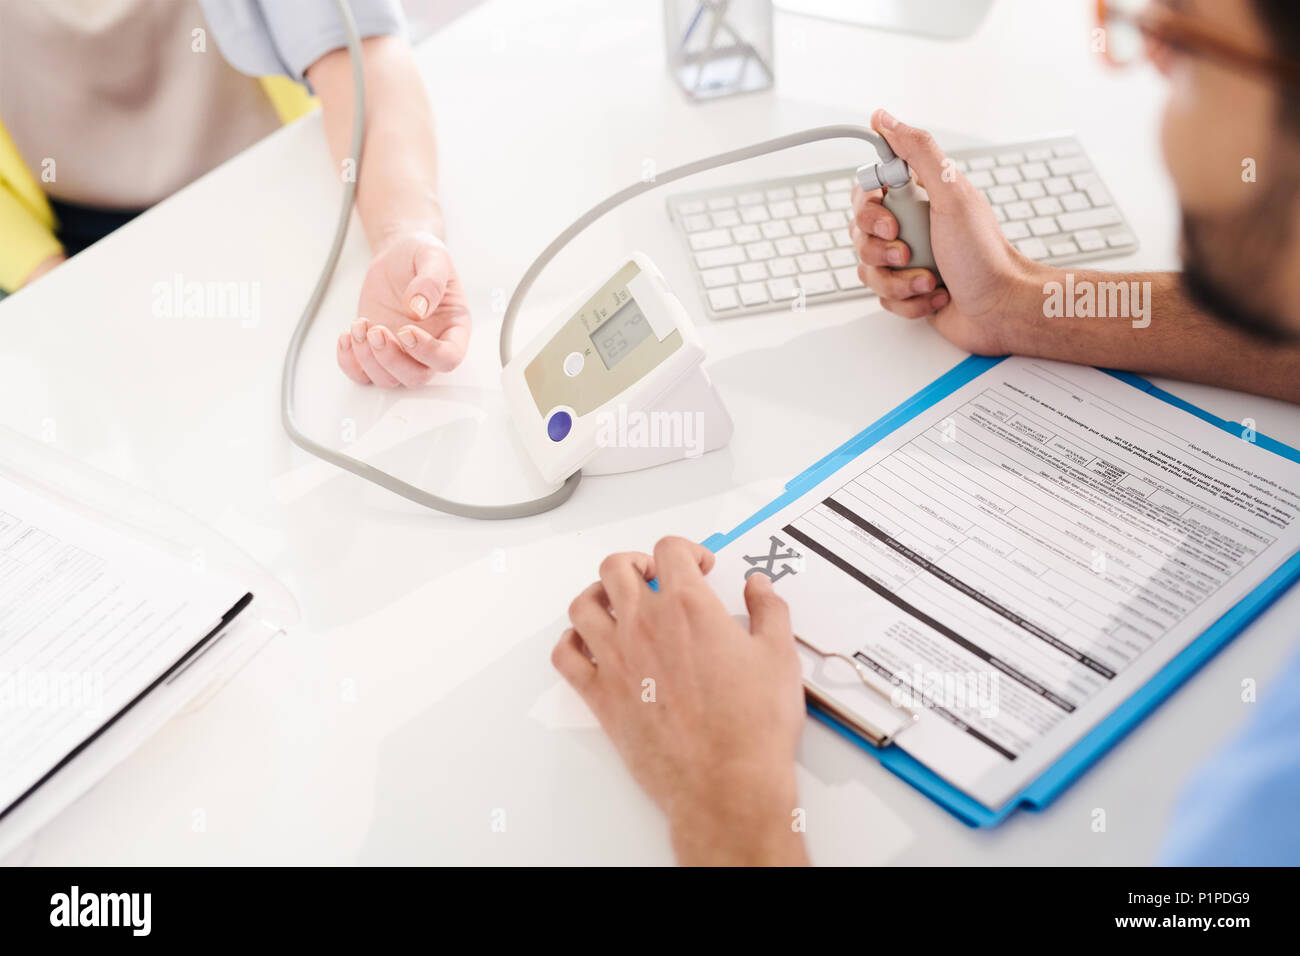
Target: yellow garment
(27,223)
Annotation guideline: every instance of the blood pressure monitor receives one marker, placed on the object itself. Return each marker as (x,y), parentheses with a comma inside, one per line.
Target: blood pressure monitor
(614,383)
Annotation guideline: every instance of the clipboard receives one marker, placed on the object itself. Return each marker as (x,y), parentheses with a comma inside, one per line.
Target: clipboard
(1050,784)
(213,660)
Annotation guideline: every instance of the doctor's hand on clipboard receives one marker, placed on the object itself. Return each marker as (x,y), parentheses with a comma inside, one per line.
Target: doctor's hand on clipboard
(706,714)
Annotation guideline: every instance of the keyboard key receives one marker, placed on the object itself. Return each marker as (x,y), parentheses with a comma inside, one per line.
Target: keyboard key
(760,250)
(743,234)
(1015,230)
(1048,206)
(697,222)
(749,199)
(842,237)
(1034,171)
(1020,210)
(712,278)
(712,239)
(981,162)
(753,272)
(811,205)
(711,259)
(1083,180)
(811,262)
(780,192)
(1089,219)
(753,293)
(802,225)
(848,278)
(791,246)
(1007,174)
(1066,149)
(1003,194)
(1063,247)
(1010,159)
(721,202)
(1042,152)
(723,299)
(838,258)
(1075,201)
(839,201)
(690,208)
(775,228)
(980,179)
(1089,240)
(1121,239)
(817,283)
(1031,190)
(1034,248)
(818,241)
(755,214)
(841,185)
(781,266)
(832,220)
(1097,193)
(1046,226)
(999,214)
(1058,185)
(808,189)
(1064,167)
(726,219)
(784,209)
(782,288)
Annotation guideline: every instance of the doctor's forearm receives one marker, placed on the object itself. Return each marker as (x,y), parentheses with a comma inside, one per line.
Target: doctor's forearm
(1177,340)
(397,190)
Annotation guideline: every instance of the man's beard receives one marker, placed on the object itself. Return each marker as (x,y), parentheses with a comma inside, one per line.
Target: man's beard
(1231,283)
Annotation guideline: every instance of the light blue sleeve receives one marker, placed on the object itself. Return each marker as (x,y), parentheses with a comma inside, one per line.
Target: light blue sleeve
(1243,807)
(284,37)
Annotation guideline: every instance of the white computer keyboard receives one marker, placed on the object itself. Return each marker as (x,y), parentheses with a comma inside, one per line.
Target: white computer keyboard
(756,246)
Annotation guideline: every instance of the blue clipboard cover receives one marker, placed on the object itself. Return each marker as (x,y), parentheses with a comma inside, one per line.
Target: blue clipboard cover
(1043,790)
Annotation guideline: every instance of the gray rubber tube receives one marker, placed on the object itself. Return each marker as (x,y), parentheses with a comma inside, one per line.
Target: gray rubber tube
(289,374)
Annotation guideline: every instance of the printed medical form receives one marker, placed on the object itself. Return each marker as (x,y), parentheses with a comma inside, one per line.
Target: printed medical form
(89,618)
(1017,560)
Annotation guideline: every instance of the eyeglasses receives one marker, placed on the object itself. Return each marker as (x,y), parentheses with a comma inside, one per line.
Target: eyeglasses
(1132,29)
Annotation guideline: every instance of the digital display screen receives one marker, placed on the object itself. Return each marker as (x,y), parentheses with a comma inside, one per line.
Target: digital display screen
(620,333)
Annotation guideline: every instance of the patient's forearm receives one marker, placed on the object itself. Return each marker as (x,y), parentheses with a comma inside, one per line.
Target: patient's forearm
(1179,341)
(397,191)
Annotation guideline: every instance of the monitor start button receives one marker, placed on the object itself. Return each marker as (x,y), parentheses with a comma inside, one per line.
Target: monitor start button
(559,425)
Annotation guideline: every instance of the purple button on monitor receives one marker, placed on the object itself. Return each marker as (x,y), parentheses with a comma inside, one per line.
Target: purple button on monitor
(559,425)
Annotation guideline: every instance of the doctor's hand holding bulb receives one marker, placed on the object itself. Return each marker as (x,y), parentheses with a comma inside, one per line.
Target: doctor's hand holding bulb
(982,272)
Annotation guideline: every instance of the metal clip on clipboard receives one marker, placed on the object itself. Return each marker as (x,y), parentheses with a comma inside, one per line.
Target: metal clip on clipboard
(874,735)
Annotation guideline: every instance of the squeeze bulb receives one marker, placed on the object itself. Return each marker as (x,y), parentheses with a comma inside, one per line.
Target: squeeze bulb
(909,204)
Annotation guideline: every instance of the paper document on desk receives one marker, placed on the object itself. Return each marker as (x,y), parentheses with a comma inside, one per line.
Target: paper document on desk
(1017,560)
(90,619)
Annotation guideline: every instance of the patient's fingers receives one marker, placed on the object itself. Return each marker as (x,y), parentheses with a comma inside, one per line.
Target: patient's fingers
(441,353)
(347,360)
(395,361)
(361,349)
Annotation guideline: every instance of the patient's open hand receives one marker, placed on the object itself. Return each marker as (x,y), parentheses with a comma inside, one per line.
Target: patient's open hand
(706,713)
(412,317)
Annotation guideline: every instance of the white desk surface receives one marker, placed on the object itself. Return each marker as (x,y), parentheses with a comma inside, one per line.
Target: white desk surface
(416,697)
